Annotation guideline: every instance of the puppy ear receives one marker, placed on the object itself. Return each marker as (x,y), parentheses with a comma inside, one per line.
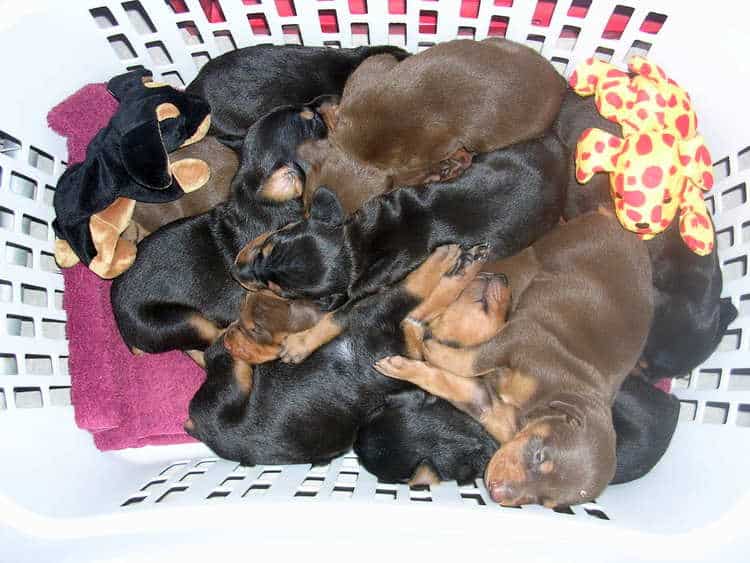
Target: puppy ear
(573,413)
(144,156)
(326,207)
(283,184)
(125,85)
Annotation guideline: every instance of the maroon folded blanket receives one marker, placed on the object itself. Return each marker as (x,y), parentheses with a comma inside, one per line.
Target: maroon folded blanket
(123,400)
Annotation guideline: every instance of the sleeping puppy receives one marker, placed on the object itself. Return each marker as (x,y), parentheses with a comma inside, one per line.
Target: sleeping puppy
(497,93)
(179,293)
(276,413)
(244,84)
(509,197)
(544,384)
(690,317)
(420,438)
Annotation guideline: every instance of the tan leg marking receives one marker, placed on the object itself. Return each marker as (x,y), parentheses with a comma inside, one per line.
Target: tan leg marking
(243,375)
(198,357)
(460,361)
(424,475)
(64,255)
(426,277)
(300,345)
(413,337)
(206,330)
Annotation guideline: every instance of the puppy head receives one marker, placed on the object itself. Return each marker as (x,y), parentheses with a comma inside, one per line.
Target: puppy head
(304,260)
(562,456)
(268,160)
(477,315)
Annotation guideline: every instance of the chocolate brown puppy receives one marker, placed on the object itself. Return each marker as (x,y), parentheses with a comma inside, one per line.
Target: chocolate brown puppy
(544,386)
(442,106)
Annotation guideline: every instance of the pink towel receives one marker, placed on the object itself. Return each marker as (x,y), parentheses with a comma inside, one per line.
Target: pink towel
(124,400)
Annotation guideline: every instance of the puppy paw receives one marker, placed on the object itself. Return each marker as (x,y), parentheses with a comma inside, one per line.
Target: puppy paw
(470,261)
(399,367)
(413,331)
(296,347)
(459,361)
(424,279)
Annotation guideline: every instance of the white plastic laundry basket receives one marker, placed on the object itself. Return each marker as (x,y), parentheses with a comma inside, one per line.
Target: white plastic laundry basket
(62,500)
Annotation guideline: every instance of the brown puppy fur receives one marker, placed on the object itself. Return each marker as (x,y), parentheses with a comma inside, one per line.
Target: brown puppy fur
(437,109)
(581,310)
(265,320)
(222,163)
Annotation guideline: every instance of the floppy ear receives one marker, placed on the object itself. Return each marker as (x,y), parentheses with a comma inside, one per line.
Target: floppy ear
(326,207)
(283,184)
(144,156)
(127,84)
(573,413)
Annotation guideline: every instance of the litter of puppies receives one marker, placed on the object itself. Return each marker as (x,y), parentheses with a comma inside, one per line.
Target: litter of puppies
(401,254)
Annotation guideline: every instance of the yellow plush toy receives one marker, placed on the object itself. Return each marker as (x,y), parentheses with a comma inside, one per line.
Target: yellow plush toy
(661,166)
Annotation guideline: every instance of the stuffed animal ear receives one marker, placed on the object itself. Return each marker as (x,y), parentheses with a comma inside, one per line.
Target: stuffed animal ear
(125,85)
(572,412)
(190,173)
(326,207)
(144,156)
(283,184)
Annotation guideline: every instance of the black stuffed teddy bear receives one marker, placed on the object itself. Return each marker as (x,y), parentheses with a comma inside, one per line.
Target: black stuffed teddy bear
(127,161)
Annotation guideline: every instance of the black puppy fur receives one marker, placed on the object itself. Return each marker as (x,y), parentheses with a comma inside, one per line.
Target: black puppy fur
(507,198)
(312,412)
(690,317)
(242,85)
(183,269)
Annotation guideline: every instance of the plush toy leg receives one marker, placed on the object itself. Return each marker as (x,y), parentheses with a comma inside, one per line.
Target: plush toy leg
(114,255)
(64,255)
(595,152)
(696,228)
(191,173)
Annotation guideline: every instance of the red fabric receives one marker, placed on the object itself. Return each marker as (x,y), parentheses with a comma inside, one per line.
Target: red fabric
(123,400)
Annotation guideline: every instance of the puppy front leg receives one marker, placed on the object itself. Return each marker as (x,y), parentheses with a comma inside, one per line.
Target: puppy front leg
(469,395)
(299,345)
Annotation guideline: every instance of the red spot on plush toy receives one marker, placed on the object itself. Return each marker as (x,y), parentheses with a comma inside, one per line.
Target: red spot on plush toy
(614,100)
(642,96)
(614,142)
(661,102)
(573,80)
(672,101)
(592,79)
(585,156)
(684,159)
(619,184)
(683,125)
(634,215)
(599,146)
(631,180)
(672,170)
(652,176)
(656,214)
(642,114)
(686,105)
(645,69)
(614,73)
(708,180)
(644,146)
(702,155)
(634,197)
(668,139)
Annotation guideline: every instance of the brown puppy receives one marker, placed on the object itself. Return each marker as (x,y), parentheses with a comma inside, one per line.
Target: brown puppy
(581,310)
(435,110)
(265,320)
(221,165)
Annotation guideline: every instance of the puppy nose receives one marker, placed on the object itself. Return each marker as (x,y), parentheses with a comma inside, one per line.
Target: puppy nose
(501,492)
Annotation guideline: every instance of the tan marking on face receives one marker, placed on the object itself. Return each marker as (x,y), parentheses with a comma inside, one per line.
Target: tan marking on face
(507,464)
(166,111)
(251,249)
(307,114)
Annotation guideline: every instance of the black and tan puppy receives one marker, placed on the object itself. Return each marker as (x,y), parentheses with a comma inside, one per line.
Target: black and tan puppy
(280,413)
(545,384)
(244,84)
(690,317)
(507,198)
(180,293)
